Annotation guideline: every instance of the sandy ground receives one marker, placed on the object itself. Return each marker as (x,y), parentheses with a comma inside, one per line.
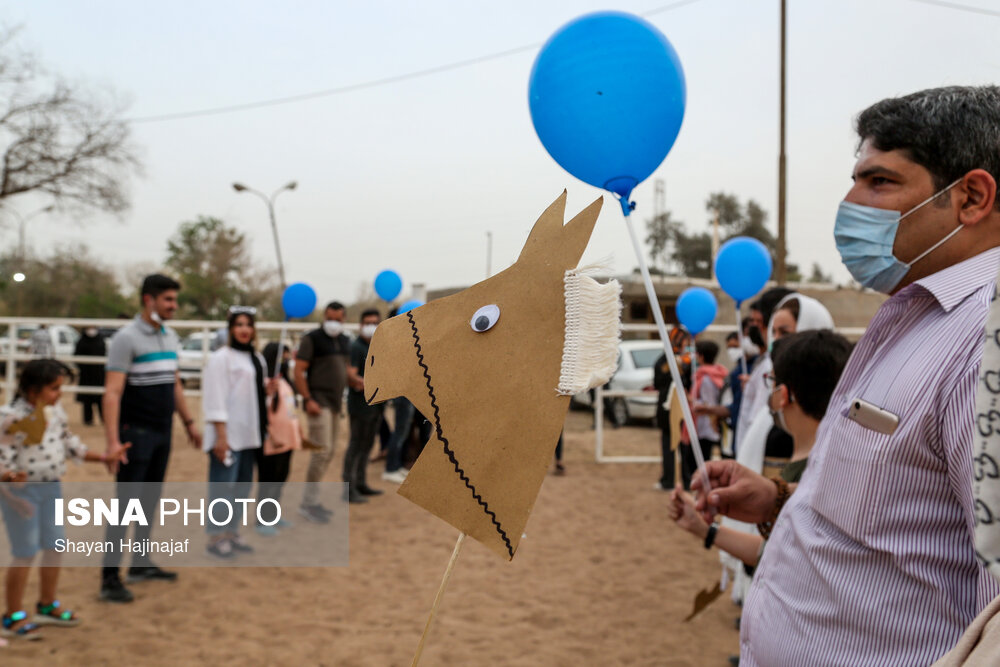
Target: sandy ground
(602,578)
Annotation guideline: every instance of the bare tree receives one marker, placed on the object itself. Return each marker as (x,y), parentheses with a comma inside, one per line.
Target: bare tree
(57,141)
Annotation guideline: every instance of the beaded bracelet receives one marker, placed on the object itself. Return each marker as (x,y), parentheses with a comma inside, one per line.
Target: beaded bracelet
(765,527)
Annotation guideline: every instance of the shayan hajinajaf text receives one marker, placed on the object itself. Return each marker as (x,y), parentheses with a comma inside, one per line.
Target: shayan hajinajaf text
(219,512)
(139,548)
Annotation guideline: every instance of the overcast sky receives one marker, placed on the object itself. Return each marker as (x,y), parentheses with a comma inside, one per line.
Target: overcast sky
(411,175)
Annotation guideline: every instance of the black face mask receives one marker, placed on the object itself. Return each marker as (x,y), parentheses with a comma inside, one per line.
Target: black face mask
(756,337)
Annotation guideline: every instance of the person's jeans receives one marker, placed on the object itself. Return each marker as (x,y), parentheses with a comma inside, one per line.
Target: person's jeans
(147,463)
(323,432)
(228,483)
(364,428)
(400,433)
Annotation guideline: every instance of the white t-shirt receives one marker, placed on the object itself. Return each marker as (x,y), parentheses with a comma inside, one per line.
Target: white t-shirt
(229,394)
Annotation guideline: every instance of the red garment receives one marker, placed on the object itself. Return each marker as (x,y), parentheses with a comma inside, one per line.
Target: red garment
(717,374)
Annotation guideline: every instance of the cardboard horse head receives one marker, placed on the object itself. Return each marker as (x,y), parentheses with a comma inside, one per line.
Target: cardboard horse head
(493,368)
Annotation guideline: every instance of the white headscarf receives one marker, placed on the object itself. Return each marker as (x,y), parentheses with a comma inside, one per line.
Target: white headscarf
(755,424)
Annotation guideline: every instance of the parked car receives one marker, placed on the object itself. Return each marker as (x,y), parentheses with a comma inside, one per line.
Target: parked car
(635,372)
(63,338)
(192,357)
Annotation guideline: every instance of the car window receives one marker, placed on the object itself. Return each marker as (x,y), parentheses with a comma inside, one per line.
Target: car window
(192,345)
(64,338)
(645,358)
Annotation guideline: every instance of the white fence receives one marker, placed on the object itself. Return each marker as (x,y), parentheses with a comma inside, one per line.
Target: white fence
(11,355)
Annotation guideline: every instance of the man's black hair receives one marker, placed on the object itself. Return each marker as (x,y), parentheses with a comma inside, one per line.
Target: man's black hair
(334,305)
(948,131)
(157,284)
(809,364)
(745,324)
(732,335)
(368,312)
(708,350)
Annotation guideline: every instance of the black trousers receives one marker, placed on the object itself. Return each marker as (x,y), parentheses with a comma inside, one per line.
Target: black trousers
(669,473)
(142,478)
(689,464)
(272,473)
(364,428)
(88,403)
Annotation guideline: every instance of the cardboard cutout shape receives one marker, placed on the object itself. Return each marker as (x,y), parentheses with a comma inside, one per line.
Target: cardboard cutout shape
(32,427)
(486,366)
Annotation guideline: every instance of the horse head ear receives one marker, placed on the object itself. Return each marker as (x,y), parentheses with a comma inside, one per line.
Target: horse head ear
(555,243)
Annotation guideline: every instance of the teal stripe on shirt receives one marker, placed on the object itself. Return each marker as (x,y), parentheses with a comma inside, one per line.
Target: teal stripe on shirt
(154,356)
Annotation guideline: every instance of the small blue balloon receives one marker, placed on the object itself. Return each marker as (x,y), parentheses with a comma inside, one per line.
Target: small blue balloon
(409,305)
(607,97)
(298,300)
(696,309)
(388,285)
(742,267)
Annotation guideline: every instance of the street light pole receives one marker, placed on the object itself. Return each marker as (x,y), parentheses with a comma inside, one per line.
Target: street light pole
(19,276)
(489,253)
(239,187)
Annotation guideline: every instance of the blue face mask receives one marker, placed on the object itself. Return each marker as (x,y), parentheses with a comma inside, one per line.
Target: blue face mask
(864,237)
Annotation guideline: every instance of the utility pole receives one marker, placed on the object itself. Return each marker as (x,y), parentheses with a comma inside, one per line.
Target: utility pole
(781,274)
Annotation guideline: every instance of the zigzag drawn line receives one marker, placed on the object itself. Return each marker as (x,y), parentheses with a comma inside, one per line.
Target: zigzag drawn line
(444,440)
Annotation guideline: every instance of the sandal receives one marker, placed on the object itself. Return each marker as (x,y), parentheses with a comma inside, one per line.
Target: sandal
(49,614)
(238,544)
(221,549)
(28,631)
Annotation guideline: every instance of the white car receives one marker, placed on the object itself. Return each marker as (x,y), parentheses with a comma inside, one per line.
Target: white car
(636,359)
(192,358)
(62,337)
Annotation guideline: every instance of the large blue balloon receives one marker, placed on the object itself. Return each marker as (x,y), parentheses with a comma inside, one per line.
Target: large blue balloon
(298,300)
(388,285)
(607,99)
(409,305)
(696,309)
(742,267)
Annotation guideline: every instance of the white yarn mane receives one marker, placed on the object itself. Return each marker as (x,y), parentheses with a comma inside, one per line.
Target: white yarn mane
(593,330)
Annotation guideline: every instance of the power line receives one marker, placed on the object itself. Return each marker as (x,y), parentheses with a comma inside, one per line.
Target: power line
(375,83)
(964,8)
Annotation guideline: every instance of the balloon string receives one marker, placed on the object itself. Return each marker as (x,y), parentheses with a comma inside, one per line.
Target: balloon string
(675,372)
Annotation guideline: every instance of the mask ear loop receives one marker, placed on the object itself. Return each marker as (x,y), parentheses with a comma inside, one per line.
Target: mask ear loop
(947,236)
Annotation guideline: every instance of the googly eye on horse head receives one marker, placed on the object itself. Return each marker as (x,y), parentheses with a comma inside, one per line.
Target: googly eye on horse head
(485,318)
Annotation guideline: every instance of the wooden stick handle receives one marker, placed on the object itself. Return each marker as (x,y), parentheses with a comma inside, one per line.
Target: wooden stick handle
(437,599)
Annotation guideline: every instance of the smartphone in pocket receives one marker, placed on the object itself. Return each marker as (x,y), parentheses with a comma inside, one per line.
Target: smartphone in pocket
(872,417)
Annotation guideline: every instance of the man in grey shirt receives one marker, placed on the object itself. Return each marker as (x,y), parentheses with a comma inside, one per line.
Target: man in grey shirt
(321,377)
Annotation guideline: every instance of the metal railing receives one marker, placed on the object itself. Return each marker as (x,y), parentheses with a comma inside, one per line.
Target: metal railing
(10,355)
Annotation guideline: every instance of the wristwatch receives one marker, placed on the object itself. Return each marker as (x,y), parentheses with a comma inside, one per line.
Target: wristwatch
(710,537)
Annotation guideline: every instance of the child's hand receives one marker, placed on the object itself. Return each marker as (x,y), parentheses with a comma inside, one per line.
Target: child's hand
(683,512)
(118,455)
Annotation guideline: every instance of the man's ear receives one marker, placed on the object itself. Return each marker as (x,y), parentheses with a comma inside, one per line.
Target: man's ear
(977,193)
(784,396)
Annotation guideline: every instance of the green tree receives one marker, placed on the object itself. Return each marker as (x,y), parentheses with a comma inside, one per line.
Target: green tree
(693,254)
(660,235)
(70,282)
(817,275)
(213,264)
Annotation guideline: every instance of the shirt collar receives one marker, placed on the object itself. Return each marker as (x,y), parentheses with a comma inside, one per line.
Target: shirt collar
(952,285)
(148,328)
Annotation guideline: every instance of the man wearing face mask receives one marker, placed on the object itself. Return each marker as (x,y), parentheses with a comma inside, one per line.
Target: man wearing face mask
(871,559)
(320,378)
(364,418)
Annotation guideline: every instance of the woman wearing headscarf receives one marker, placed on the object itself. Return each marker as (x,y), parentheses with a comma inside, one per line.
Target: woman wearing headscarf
(91,375)
(793,313)
(234,400)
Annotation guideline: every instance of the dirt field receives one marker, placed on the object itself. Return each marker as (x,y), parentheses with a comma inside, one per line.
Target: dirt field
(602,578)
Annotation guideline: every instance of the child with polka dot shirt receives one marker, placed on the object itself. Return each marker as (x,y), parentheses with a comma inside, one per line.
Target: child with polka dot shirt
(35,442)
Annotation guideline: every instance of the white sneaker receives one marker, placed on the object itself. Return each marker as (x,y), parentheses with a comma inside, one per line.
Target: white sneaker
(396,477)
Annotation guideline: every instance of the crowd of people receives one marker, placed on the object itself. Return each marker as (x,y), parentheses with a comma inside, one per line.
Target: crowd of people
(842,496)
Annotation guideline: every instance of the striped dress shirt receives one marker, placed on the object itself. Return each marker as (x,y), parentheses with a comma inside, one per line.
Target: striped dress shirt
(872,560)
